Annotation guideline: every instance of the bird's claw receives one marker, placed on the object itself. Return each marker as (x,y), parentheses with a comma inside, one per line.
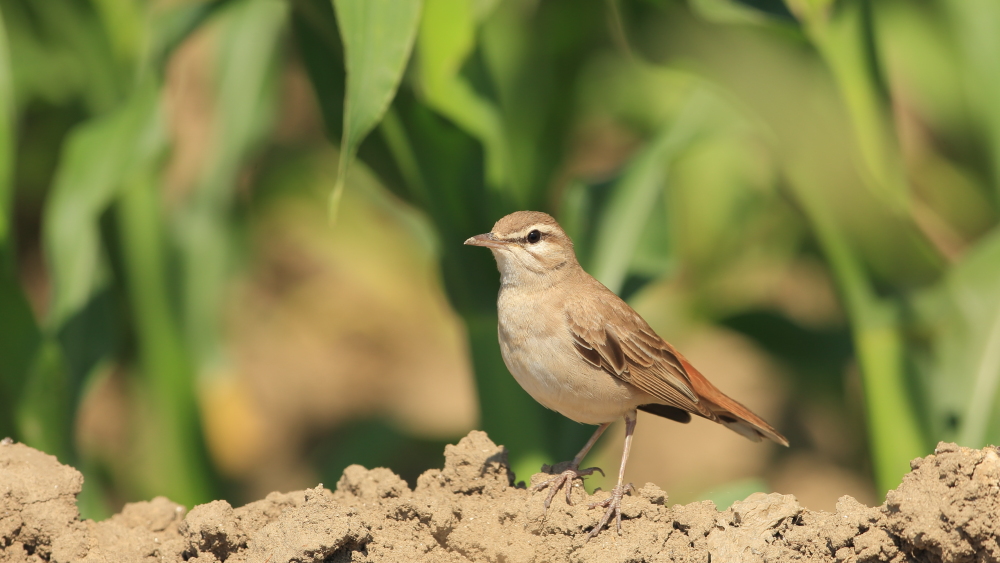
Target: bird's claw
(564,480)
(614,507)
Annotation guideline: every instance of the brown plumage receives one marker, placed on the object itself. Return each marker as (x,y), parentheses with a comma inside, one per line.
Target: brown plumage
(620,342)
(577,348)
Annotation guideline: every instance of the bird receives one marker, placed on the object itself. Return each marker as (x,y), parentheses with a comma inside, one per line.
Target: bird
(580,350)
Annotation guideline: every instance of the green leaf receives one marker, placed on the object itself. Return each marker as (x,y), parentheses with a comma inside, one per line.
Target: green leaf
(171,27)
(842,40)
(19,339)
(976,25)
(124,26)
(964,315)
(44,409)
(6,136)
(248,49)
(532,76)
(246,92)
(401,148)
(96,158)
(61,53)
(631,204)
(810,10)
(447,37)
(853,229)
(378,38)
(170,432)
(893,427)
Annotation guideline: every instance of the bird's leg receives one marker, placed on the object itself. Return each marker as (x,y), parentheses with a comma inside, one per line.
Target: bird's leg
(614,502)
(566,478)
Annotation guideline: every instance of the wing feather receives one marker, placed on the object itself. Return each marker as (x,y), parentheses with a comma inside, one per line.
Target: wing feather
(635,358)
(610,335)
(587,351)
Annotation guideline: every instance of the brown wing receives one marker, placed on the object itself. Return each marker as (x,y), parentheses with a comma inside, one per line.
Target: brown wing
(637,355)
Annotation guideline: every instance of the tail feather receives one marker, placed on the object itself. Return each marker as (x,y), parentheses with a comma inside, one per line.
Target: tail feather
(728,411)
(742,420)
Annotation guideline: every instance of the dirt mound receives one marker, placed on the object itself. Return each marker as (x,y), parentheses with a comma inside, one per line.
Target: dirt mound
(946,509)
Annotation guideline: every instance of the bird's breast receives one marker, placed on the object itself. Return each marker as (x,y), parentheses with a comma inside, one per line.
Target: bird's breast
(537,348)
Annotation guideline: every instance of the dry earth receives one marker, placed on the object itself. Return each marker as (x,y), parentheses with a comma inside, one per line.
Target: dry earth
(946,509)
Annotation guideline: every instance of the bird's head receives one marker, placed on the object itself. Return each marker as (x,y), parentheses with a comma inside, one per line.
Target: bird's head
(530,248)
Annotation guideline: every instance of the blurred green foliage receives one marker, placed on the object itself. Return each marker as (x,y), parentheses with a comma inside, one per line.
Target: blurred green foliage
(727,133)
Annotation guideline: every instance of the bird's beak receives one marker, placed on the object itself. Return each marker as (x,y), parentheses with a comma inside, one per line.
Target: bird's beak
(486,239)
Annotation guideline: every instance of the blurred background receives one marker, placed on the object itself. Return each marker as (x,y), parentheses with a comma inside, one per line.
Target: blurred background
(231,232)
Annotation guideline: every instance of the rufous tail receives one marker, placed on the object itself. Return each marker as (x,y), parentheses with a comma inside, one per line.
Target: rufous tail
(730,412)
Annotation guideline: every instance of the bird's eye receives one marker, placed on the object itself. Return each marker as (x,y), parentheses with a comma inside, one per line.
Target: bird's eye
(534,236)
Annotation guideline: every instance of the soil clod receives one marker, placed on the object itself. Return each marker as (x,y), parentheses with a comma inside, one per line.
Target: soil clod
(946,509)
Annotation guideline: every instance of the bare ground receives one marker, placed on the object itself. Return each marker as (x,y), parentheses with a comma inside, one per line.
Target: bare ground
(946,509)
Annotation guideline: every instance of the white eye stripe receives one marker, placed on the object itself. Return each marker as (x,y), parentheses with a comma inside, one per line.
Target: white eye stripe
(522,235)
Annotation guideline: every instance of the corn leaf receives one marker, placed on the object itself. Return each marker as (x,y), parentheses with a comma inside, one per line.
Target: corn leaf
(6,136)
(19,336)
(631,205)
(44,419)
(123,25)
(893,427)
(19,340)
(378,38)
(246,101)
(840,38)
(823,173)
(169,424)
(963,314)
(977,30)
(171,27)
(97,156)
(447,37)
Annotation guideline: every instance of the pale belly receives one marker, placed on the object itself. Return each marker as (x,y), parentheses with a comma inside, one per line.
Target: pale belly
(549,369)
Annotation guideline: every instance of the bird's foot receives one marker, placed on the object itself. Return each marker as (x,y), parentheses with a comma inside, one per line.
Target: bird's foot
(564,480)
(614,508)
